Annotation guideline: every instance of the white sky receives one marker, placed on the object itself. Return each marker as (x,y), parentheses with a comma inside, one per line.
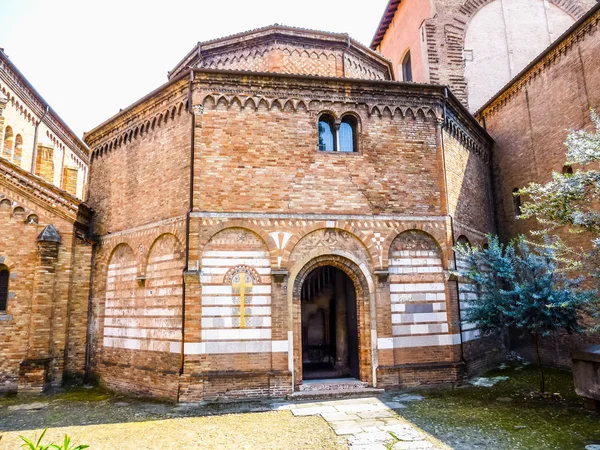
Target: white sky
(89,59)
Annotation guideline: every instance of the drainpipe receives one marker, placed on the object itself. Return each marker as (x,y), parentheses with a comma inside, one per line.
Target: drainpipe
(462,352)
(35,140)
(90,316)
(187,221)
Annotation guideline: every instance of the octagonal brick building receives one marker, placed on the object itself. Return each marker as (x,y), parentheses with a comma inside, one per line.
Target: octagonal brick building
(283,210)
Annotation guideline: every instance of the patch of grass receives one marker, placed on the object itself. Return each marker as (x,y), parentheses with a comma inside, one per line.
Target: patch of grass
(82,394)
(511,412)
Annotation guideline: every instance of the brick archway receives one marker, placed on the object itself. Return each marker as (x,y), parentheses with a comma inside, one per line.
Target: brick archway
(364,286)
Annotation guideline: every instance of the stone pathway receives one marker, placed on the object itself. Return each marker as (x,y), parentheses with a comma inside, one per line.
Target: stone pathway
(367,423)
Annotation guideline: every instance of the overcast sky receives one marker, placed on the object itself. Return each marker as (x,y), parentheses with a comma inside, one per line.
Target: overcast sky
(89,59)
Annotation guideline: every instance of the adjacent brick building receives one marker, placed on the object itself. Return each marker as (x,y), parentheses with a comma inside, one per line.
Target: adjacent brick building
(290,214)
(45,265)
(530,119)
(474,47)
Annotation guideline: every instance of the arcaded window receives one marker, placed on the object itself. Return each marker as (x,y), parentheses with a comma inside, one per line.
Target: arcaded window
(567,170)
(9,140)
(4,276)
(347,134)
(517,201)
(326,133)
(407,68)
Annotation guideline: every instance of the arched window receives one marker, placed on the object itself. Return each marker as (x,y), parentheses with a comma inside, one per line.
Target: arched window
(18,153)
(8,143)
(326,133)
(347,134)
(567,170)
(517,201)
(4,276)
(406,68)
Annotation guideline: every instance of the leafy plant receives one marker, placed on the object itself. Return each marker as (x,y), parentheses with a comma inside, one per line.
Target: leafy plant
(524,287)
(66,445)
(570,199)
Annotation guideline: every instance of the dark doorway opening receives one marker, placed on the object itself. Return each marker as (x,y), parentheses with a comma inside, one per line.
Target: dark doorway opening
(329,325)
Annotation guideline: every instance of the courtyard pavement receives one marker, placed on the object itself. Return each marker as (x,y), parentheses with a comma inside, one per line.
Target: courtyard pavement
(368,423)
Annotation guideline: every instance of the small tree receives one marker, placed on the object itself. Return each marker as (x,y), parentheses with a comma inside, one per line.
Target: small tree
(570,199)
(523,287)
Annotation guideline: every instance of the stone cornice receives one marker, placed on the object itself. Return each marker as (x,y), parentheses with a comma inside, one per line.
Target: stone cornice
(44,194)
(165,97)
(17,82)
(580,31)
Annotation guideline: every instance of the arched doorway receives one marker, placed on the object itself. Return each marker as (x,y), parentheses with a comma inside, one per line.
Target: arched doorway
(329,319)
(363,293)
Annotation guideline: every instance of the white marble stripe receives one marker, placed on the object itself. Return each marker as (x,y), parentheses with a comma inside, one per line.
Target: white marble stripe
(235,254)
(417,297)
(425,340)
(415,262)
(409,330)
(226,301)
(130,344)
(420,318)
(228,290)
(236,334)
(224,270)
(148,322)
(469,335)
(405,253)
(141,311)
(220,311)
(160,333)
(416,287)
(228,322)
(414,269)
(224,262)
(201,348)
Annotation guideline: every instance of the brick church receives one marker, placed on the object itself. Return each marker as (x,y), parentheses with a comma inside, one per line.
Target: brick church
(282,210)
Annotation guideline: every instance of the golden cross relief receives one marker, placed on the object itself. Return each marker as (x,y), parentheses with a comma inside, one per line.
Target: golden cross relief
(242,284)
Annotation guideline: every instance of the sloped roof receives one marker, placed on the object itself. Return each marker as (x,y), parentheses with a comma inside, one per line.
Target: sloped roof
(384,23)
(275,30)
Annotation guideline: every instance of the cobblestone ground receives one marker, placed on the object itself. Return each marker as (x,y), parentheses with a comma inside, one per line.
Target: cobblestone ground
(106,422)
(110,424)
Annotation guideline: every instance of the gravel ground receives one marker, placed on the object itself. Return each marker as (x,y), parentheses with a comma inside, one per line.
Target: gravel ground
(117,424)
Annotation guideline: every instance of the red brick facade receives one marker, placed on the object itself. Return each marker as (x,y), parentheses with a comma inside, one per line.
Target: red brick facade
(248,202)
(529,121)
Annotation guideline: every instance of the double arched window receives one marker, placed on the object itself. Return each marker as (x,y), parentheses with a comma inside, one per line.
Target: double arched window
(338,136)
(4,277)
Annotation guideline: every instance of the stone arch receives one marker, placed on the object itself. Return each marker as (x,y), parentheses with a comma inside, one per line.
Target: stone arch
(363,282)
(207,235)
(438,234)
(415,252)
(163,293)
(120,294)
(294,245)
(160,239)
(8,262)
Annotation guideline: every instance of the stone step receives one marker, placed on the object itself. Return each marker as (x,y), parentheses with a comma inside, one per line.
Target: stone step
(335,394)
(337,384)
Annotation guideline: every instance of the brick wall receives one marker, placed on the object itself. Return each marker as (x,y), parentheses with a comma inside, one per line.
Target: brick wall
(44,326)
(530,121)
(70,177)
(269,207)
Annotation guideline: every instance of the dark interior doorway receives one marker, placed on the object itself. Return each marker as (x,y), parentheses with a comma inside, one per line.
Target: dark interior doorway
(329,325)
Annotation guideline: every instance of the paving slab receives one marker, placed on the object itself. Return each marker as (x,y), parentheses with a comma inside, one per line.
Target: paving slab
(339,417)
(376,414)
(313,411)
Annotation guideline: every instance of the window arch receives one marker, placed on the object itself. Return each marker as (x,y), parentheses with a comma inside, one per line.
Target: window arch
(347,134)
(8,143)
(327,139)
(407,68)
(567,170)
(338,136)
(18,152)
(516,201)
(4,277)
